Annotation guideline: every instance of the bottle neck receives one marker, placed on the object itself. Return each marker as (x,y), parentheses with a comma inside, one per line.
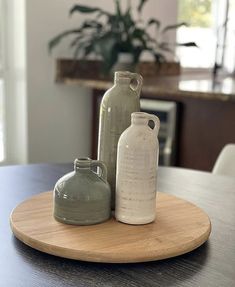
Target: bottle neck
(122,82)
(138,122)
(139,119)
(122,78)
(82,164)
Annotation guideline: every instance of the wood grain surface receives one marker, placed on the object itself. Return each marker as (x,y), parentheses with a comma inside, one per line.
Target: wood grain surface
(211,265)
(180,227)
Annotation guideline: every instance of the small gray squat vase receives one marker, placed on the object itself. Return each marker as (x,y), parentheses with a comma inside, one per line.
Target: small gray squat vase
(83,197)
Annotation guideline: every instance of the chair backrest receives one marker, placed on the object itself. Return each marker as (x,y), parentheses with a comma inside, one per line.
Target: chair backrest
(225,163)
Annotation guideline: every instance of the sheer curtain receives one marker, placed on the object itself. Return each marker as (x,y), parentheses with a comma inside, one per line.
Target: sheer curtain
(2,80)
(13,113)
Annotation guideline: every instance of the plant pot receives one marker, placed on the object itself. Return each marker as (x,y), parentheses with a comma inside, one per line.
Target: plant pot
(124,63)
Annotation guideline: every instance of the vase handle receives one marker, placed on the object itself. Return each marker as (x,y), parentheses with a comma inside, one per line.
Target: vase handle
(103,168)
(139,82)
(156,121)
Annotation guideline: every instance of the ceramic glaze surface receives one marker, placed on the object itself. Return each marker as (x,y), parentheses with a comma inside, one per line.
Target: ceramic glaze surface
(115,116)
(137,161)
(82,197)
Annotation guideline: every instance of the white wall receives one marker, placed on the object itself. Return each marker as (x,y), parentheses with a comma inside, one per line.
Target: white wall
(57,125)
(59,116)
(166,12)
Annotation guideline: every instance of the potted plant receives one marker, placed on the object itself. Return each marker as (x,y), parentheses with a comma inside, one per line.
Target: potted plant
(112,36)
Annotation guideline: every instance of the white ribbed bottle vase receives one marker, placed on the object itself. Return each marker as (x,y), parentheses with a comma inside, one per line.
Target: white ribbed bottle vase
(137,161)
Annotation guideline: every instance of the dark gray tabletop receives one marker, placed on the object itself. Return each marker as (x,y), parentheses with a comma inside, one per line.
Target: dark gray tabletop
(212,264)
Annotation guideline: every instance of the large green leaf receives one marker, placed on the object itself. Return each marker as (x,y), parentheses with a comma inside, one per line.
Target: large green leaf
(165,47)
(140,35)
(175,26)
(86,9)
(91,24)
(127,20)
(141,5)
(102,13)
(137,53)
(56,40)
(83,49)
(149,39)
(113,24)
(155,22)
(88,49)
(79,48)
(110,62)
(159,57)
(105,46)
(188,44)
(118,8)
(76,40)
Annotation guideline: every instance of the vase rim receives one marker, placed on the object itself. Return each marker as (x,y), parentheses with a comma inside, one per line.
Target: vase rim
(82,162)
(139,118)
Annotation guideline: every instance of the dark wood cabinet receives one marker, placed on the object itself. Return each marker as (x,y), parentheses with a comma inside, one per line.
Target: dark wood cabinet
(204,126)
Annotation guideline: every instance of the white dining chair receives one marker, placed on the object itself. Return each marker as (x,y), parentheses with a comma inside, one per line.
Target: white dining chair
(225,163)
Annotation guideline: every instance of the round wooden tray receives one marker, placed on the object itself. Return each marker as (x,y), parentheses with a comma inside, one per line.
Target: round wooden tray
(180,227)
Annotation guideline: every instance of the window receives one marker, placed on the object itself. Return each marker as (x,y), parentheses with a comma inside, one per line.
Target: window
(209,28)
(197,13)
(229,55)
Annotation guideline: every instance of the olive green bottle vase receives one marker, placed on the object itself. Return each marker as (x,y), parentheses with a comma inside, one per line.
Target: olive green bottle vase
(117,105)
